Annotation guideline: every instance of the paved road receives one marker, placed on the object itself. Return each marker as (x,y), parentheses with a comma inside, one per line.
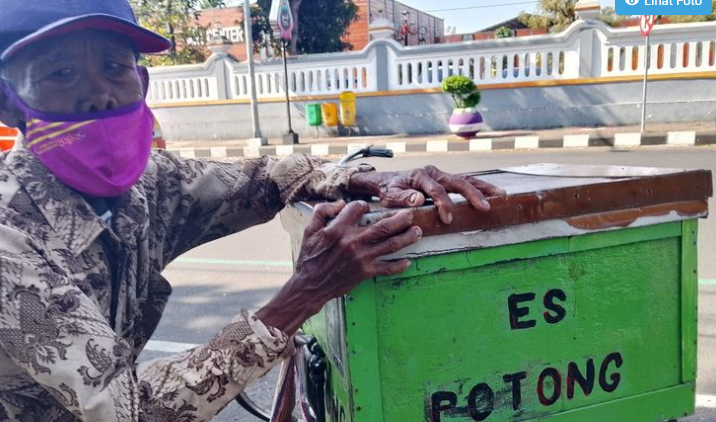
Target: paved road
(213,282)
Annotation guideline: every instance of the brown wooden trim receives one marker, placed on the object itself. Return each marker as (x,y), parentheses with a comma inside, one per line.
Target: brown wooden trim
(641,196)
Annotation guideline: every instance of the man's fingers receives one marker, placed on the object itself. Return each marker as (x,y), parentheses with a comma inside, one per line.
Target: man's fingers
(391,268)
(349,216)
(399,198)
(473,195)
(387,227)
(396,243)
(486,188)
(439,195)
(322,214)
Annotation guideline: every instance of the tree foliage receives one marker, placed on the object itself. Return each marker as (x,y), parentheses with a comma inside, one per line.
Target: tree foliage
(174,19)
(556,15)
(609,16)
(321,25)
(212,4)
(463,91)
(504,32)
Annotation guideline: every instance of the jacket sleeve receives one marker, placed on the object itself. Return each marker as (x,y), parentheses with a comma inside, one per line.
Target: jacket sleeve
(52,330)
(201,200)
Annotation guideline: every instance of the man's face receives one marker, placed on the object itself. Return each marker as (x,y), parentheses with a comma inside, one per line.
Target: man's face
(80,72)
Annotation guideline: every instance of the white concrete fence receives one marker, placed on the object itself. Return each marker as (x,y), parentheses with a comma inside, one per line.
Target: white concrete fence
(588,49)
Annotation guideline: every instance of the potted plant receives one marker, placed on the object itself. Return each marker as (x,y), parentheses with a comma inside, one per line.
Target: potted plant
(465,121)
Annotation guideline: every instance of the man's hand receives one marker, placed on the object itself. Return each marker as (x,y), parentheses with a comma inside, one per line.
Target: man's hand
(336,255)
(408,189)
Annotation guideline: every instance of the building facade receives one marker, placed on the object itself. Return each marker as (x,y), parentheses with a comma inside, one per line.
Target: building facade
(412,26)
(227,22)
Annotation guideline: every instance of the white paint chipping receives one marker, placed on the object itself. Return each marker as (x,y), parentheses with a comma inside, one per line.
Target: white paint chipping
(527,142)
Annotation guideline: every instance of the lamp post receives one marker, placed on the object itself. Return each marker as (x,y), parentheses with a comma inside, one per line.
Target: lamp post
(283,17)
(258,139)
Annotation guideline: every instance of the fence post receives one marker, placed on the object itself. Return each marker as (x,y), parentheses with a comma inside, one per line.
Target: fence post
(221,61)
(589,62)
(382,67)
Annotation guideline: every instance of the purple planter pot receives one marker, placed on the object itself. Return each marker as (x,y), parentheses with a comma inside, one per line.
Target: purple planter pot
(466,122)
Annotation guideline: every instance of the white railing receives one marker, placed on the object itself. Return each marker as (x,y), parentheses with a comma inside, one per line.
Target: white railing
(681,48)
(183,89)
(490,66)
(320,78)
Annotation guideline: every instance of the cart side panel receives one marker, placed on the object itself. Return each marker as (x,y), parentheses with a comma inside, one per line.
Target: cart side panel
(689,299)
(546,335)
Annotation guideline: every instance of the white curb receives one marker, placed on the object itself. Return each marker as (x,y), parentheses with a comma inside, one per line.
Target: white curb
(436,146)
(187,153)
(708,402)
(356,147)
(627,139)
(397,147)
(284,150)
(575,141)
(319,150)
(219,152)
(681,138)
(480,144)
(252,152)
(527,142)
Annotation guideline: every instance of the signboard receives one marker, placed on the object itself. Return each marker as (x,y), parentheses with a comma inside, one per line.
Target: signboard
(647,24)
(283,18)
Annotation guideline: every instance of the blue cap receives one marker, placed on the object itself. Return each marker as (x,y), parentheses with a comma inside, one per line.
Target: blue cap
(24,22)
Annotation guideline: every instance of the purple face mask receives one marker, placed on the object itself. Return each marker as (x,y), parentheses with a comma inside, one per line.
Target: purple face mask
(101,154)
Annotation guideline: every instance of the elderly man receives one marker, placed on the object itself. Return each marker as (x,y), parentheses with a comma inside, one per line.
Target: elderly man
(89,217)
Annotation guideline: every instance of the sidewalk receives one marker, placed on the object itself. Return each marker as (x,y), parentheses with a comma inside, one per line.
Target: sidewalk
(676,134)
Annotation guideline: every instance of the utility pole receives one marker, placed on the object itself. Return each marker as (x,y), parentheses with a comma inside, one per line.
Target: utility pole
(258,139)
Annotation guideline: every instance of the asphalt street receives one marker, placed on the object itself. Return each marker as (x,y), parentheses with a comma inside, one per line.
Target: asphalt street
(212,283)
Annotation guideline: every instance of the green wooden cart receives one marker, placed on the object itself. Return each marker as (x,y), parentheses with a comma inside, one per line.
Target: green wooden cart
(573,300)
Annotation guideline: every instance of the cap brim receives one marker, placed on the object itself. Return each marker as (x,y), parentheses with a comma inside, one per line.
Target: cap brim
(144,41)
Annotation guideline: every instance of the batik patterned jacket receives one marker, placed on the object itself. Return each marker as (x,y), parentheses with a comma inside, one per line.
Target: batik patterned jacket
(79,297)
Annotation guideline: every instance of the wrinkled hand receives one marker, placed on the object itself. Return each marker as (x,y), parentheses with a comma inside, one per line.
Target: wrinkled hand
(408,189)
(335,256)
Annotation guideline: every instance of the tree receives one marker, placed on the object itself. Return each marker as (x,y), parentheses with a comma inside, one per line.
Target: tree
(463,90)
(504,32)
(212,4)
(609,16)
(321,25)
(174,19)
(556,15)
